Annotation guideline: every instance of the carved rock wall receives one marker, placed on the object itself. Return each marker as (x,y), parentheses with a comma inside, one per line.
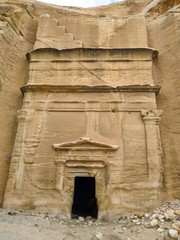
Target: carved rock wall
(18,26)
(124,155)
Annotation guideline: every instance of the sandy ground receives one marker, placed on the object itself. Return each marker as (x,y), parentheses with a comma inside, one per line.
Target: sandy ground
(20,225)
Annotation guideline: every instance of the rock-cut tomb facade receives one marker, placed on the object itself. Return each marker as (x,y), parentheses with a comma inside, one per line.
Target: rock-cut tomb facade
(89,125)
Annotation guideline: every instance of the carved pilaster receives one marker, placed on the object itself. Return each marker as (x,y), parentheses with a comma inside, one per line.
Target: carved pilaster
(60,166)
(151,120)
(24,118)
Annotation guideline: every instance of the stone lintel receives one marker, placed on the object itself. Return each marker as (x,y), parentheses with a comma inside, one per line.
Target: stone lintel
(82,164)
(83,88)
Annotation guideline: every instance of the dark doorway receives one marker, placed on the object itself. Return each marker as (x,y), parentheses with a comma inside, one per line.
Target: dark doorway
(85,203)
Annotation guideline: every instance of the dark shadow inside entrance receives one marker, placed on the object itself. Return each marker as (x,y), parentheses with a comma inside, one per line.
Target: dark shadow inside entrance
(84,203)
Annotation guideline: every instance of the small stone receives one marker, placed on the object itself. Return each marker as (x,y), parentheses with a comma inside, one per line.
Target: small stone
(177,211)
(147,215)
(140,215)
(135,221)
(98,236)
(170,213)
(160,230)
(173,233)
(161,217)
(154,223)
(154,216)
(88,218)
(176,226)
(12,213)
(157,226)
(81,219)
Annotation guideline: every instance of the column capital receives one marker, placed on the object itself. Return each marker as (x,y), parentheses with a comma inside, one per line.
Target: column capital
(151,115)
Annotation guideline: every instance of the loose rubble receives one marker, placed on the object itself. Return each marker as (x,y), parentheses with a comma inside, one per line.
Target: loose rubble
(173,233)
(162,224)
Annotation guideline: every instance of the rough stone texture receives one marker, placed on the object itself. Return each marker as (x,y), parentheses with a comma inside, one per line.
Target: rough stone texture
(17,33)
(126,29)
(164,35)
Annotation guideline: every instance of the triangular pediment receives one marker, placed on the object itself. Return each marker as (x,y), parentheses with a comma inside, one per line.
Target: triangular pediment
(85,144)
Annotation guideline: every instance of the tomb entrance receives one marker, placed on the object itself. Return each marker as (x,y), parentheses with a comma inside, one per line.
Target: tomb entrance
(84,202)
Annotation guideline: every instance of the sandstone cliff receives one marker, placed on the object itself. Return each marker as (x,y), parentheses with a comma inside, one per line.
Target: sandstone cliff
(164,35)
(18,27)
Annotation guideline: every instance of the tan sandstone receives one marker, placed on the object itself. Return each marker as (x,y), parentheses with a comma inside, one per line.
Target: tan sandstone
(91,105)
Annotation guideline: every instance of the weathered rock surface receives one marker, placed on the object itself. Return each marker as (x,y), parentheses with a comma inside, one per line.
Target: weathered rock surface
(17,33)
(18,28)
(164,35)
